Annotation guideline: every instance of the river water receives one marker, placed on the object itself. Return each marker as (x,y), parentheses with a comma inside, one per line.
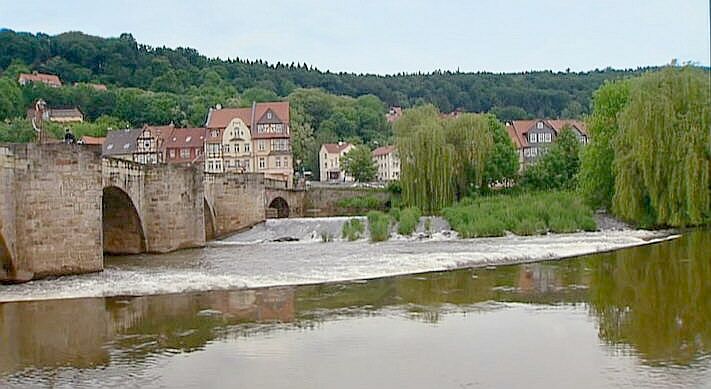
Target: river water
(635,317)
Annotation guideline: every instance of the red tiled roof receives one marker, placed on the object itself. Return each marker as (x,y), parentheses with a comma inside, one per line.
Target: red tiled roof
(220,118)
(92,140)
(333,148)
(186,137)
(384,150)
(518,129)
(41,77)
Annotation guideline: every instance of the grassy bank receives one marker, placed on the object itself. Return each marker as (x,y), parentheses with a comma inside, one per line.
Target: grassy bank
(526,214)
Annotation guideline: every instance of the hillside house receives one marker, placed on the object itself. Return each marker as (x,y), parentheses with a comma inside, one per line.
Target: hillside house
(47,79)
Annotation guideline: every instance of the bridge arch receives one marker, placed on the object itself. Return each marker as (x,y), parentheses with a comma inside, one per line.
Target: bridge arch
(5,258)
(123,231)
(281,205)
(210,232)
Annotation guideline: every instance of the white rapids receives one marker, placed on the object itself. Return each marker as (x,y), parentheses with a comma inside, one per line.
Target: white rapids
(251,259)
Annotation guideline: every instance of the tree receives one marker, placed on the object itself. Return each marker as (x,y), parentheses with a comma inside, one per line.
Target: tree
(596,181)
(10,98)
(558,168)
(358,163)
(663,149)
(502,163)
(256,94)
(471,143)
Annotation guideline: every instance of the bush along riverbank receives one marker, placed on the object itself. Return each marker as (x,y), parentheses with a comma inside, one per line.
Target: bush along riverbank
(525,214)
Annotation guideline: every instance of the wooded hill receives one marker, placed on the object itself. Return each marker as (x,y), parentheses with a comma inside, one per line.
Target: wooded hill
(123,62)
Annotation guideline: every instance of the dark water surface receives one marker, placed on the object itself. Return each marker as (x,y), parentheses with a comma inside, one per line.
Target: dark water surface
(635,318)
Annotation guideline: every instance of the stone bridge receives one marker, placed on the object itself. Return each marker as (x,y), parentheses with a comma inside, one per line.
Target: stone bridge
(63,206)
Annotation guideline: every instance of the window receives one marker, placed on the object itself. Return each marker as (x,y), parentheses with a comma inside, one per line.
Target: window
(541,138)
(184,153)
(534,152)
(214,133)
(548,137)
(278,161)
(171,153)
(261,144)
(226,148)
(280,144)
(246,147)
(526,152)
(236,147)
(539,125)
(262,164)
(532,138)
(269,115)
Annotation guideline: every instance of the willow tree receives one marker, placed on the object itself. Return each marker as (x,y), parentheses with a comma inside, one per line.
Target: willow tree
(441,159)
(426,168)
(663,149)
(471,143)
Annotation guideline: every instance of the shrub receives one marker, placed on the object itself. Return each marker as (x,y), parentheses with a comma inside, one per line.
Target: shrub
(362,203)
(409,218)
(353,229)
(326,237)
(379,226)
(395,214)
(525,214)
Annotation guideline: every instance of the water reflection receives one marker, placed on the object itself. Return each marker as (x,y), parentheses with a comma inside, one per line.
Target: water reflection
(654,300)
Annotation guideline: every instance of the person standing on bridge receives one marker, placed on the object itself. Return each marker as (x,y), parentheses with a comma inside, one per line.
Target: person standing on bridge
(69,137)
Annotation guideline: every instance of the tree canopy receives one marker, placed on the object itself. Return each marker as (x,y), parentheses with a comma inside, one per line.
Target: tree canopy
(358,163)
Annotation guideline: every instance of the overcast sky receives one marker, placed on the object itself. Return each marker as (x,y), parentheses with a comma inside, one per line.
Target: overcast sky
(396,36)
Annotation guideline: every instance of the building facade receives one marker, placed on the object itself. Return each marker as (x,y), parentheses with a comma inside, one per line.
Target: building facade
(143,145)
(256,139)
(532,138)
(59,115)
(388,163)
(185,145)
(329,162)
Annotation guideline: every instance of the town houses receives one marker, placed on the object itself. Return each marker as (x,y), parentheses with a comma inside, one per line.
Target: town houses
(255,139)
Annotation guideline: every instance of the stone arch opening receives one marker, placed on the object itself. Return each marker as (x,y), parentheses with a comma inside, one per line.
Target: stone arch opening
(281,206)
(122,226)
(209,221)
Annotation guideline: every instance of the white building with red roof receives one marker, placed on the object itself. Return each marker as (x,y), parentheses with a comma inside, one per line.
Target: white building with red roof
(329,157)
(388,163)
(533,137)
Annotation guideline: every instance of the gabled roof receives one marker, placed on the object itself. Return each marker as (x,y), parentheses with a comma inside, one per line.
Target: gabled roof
(40,77)
(65,113)
(333,148)
(220,118)
(121,142)
(92,140)
(518,129)
(384,150)
(186,137)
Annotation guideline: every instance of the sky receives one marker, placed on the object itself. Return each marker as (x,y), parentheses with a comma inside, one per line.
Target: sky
(388,37)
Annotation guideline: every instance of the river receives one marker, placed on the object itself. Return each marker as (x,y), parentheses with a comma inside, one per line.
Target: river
(341,316)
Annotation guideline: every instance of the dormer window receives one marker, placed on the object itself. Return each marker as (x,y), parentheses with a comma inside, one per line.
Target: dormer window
(539,125)
(532,138)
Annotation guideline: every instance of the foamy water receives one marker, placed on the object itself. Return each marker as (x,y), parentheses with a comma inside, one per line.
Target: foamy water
(241,263)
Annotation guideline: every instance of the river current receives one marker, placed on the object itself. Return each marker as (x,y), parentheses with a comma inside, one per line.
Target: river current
(250,312)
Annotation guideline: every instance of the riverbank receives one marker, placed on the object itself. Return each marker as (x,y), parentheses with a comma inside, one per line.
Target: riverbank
(235,264)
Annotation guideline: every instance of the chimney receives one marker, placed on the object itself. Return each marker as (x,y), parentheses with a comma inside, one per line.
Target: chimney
(218,106)
(254,110)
